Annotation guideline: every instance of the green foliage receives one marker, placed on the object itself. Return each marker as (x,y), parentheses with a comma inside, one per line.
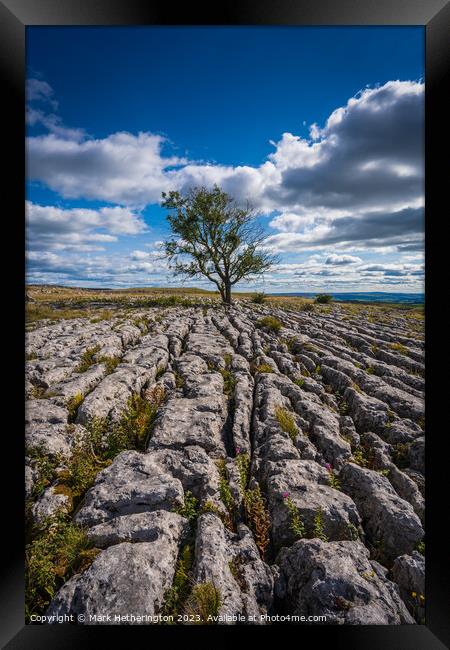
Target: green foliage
(110,363)
(270,324)
(259,298)
(179,380)
(420,546)
(307,306)
(204,601)
(45,467)
(135,425)
(317,369)
(189,509)
(370,370)
(51,558)
(73,404)
(264,367)
(212,237)
(141,323)
(399,347)
(87,359)
(229,381)
(318,530)
(243,465)
(226,494)
(296,525)
(257,518)
(299,382)
(39,392)
(178,593)
(359,457)
(323,299)
(287,422)
(400,455)
(334,481)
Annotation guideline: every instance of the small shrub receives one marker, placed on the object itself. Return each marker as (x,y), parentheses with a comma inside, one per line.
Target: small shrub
(179,381)
(87,359)
(264,367)
(299,382)
(229,381)
(259,298)
(398,347)
(243,465)
(420,547)
(287,422)
(323,299)
(257,518)
(307,306)
(359,457)
(73,404)
(45,467)
(332,478)
(177,594)
(39,392)
(318,530)
(110,363)
(269,323)
(204,601)
(51,558)
(189,509)
(296,524)
(134,427)
(400,455)
(226,494)
(370,370)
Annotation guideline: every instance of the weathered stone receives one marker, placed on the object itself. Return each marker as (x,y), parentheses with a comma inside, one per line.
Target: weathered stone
(389,520)
(133,483)
(126,579)
(337,580)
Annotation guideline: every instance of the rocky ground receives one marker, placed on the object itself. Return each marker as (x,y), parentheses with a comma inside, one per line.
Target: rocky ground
(251,462)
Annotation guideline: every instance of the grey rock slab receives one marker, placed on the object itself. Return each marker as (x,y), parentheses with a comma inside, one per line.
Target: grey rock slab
(140,527)
(46,427)
(110,397)
(387,518)
(125,579)
(184,421)
(307,485)
(232,564)
(337,580)
(409,573)
(243,407)
(133,483)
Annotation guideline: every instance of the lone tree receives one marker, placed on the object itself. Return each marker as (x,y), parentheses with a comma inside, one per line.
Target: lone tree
(215,238)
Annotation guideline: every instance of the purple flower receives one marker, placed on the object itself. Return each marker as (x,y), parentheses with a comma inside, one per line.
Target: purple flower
(238,450)
(328,467)
(285,495)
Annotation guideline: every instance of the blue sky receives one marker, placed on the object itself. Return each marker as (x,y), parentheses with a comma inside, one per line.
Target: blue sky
(321,128)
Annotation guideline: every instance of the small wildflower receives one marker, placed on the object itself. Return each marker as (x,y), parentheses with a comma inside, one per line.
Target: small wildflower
(422,597)
(328,467)
(238,451)
(413,594)
(285,495)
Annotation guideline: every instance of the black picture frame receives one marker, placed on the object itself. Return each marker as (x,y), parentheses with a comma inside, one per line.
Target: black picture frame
(434,15)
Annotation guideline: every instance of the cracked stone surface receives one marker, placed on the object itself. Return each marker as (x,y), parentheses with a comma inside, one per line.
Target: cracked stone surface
(334,435)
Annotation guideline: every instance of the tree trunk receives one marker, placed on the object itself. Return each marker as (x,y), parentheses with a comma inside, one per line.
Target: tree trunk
(227,298)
